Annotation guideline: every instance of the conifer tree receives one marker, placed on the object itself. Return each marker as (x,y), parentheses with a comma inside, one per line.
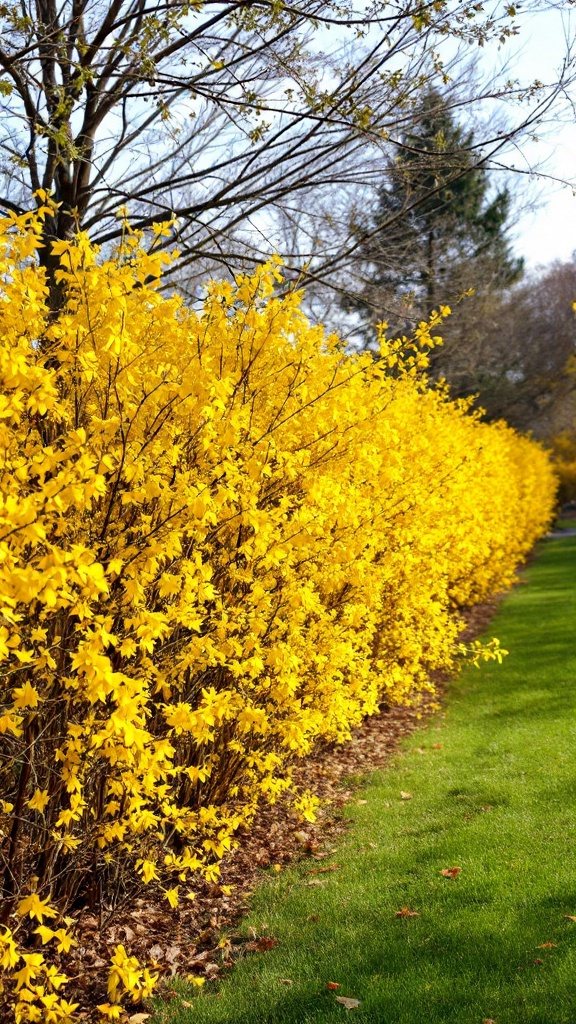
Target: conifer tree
(436,232)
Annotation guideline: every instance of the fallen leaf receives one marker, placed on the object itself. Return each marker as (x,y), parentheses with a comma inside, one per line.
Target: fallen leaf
(156,952)
(437,746)
(350,1004)
(277,867)
(406,912)
(405,796)
(487,808)
(139,1018)
(314,881)
(285,981)
(538,961)
(331,867)
(333,985)
(199,959)
(450,872)
(570,917)
(313,917)
(360,802)
(547,945)
(488,1020)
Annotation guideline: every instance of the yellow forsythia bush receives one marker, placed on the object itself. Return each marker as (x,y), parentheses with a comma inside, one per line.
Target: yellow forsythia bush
(563,450)
(221,538)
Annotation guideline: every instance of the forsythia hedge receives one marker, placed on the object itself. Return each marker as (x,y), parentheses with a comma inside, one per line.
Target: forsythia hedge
(221,538)
(563,451)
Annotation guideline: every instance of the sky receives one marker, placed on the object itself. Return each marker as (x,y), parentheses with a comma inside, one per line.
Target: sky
(546,232)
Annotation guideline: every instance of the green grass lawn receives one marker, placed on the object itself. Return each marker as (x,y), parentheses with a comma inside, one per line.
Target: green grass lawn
(565,524)
(493,784)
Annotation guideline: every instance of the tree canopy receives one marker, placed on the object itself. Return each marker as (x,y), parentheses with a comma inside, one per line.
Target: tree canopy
(523,355)
(219,113)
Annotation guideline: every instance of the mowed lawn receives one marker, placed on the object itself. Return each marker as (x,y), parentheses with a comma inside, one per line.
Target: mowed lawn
(492,780)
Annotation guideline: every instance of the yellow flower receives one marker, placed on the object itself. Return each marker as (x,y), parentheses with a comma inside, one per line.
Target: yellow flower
(38,801)
(26,696)
(113,1011)
(33,906)
(45,933)
(147,869)
(172,896)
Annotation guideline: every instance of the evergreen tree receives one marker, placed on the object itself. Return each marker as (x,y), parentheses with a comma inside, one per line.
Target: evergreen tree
(435,233)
